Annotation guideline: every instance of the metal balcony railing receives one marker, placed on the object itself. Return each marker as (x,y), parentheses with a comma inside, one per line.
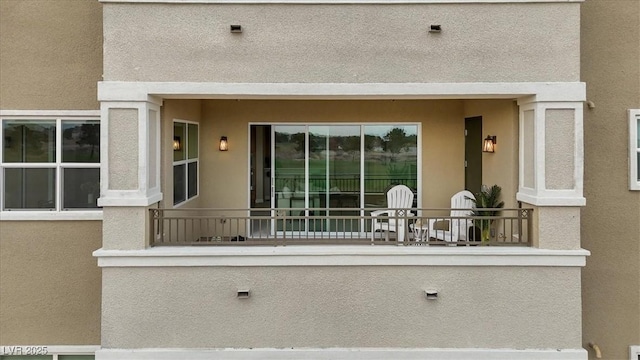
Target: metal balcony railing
(337,226)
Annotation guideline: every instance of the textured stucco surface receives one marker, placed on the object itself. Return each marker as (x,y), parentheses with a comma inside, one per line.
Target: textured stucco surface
(50,54)
(342,307)
(558,227)
(342,43)
(560,151)
(123,149)
(125,228)
(528,146)
(50,285)
(611,219)
(499,118)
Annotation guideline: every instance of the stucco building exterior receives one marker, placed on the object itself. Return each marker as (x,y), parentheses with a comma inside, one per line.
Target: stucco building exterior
(123,120)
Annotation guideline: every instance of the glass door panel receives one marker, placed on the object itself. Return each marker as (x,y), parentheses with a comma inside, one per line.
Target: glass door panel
(390,158)
(289,180)
(334,175)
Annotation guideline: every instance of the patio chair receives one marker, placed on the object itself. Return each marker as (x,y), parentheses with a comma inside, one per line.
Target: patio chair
(454,229)
(399,202)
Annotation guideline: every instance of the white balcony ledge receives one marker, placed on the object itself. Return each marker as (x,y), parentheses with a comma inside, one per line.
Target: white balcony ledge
(333,2)
(341,256)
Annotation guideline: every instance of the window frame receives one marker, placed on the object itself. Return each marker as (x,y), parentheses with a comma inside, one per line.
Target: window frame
(634,149)
(186,161)
(58,212)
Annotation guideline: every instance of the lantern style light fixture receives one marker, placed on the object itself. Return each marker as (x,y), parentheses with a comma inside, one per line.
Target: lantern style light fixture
(177,144)
(224,144)
(489,144)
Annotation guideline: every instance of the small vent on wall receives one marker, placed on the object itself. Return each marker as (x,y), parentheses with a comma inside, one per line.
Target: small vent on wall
(236,28)
(435,28)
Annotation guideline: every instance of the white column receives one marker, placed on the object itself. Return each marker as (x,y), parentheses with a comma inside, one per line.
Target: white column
(130,171)
(551,170)
(551,153)
(130,153)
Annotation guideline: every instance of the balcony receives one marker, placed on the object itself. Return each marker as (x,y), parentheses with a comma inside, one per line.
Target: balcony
(339,226)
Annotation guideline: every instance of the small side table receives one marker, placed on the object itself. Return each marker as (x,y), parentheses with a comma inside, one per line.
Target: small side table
(420,231)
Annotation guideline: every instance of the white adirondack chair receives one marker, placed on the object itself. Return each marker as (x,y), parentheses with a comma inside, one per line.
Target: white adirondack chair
(462,204)
(399,202)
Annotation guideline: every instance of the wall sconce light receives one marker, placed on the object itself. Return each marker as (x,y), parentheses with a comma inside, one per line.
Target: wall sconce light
(177,144)
(224,144)
(489,144)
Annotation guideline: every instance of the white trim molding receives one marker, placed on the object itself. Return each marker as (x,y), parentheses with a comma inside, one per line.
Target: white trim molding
(340,256)
(634,352)
(634,150)
(50,215)
(539,194)
(342,354)
(340,2)
(537,91)
(148,184)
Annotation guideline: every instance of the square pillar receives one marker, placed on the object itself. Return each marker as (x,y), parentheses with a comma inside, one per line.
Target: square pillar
(551,169)
(130,171)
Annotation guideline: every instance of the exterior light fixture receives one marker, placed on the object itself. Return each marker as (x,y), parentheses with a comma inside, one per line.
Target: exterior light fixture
(489,144)
(224,144)
(177,144)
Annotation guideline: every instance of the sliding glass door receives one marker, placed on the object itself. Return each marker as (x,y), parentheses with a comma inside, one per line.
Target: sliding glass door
(326,176)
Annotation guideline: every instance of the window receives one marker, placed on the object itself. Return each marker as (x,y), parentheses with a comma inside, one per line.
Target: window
(634,149)
(343,167)
(50,163)
(185,161)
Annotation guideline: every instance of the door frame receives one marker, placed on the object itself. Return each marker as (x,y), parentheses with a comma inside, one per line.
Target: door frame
(361,124)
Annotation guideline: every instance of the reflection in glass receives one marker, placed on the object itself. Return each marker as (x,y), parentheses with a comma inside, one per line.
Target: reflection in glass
(390,158)
(193,179)
(81,141)
(290,182)
(81,188)
(179,179)
(26,188)
(29,141)
(192,141)
(334,173)
(179,134)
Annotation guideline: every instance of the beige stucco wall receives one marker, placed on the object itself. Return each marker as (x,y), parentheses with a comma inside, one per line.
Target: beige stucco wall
(382,306)
(559,138)
(611,219)
(499,118)
(50,284)
(342,43)
(123,149)
(50,54)
(442,141)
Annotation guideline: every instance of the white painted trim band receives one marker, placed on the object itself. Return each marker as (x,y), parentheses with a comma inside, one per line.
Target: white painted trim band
(341,2)
(50,215)
(342,354)
(551,201)
(340,256)
(142,91)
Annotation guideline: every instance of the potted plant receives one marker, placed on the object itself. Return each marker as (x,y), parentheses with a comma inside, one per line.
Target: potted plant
(488,198)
